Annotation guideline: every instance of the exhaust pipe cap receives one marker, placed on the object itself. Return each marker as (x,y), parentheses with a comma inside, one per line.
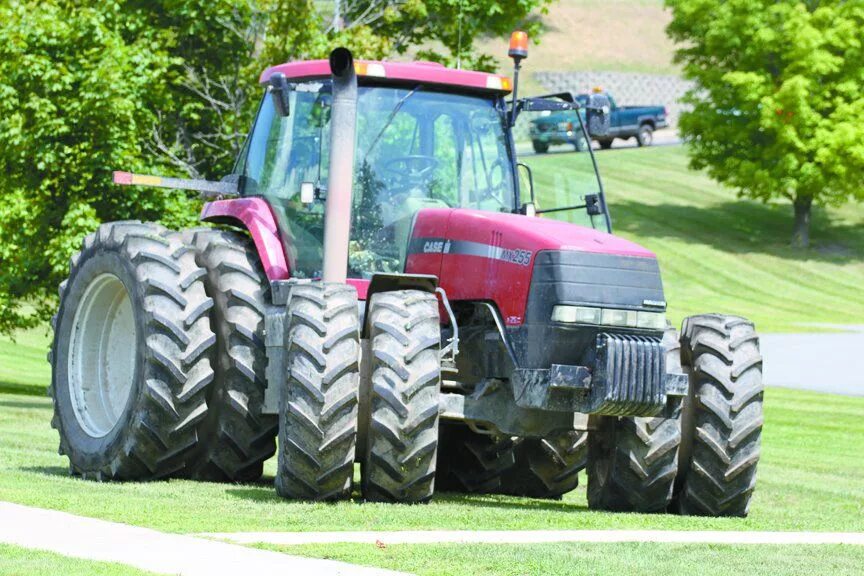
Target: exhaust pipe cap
(341,61)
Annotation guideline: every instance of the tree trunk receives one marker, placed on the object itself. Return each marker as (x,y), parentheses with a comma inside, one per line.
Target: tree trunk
(801,233)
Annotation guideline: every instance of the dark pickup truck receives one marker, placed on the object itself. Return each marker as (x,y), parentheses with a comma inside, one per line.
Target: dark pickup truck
(624,122)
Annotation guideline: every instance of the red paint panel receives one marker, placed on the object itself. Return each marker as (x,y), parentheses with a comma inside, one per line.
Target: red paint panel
(430,223)
(257,217)
(426,72)
(470,269)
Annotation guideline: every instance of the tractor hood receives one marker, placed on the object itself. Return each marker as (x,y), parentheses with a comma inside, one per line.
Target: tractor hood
(490,256)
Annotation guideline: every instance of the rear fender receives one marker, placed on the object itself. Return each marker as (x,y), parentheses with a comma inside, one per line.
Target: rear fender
(253,214)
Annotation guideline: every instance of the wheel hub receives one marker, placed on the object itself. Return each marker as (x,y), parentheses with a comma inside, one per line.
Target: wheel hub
(102,352)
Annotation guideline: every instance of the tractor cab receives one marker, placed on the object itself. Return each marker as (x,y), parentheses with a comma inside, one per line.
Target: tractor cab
(426,137)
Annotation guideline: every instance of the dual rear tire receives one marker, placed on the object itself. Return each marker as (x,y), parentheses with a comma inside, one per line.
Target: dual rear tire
(156,355)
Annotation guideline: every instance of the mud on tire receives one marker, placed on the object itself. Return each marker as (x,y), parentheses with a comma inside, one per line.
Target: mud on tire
(131,417)
(318,406)
(723,416)
(236,438)
(402,433)
(633,461)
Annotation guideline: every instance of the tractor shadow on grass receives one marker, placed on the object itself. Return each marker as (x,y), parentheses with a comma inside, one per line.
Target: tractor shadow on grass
(47,470)
(264,491)
(741,227)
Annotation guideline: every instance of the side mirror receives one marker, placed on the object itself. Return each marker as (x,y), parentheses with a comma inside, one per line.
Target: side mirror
(593,205)
(280,91)
(526,170)
(307,192)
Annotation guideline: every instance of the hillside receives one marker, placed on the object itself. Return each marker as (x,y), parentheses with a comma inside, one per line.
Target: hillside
(612,35)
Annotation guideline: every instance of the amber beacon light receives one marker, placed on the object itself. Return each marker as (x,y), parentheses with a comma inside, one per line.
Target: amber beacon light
(518,45)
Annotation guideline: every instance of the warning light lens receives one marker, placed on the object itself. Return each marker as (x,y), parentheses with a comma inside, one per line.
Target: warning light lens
(518,45)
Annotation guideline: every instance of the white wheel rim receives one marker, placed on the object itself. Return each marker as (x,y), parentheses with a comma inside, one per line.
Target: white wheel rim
(102,352)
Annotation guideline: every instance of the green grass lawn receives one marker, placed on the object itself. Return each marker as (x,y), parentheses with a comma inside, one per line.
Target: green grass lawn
(22,561)
(811,478)
(719,253)
(569,559)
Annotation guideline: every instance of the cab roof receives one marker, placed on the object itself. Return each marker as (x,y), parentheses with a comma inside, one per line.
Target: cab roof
(423,72)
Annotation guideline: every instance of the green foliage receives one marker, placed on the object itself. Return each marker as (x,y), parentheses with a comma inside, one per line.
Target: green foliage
(778,111)
(76,101)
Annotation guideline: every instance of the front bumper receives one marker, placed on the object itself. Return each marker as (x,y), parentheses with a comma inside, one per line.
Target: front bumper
(628,378)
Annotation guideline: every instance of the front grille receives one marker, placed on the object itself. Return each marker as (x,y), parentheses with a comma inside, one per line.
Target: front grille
(628,376)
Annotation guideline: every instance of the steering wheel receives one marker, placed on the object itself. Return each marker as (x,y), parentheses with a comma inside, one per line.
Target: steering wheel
(409,171)
(495,181)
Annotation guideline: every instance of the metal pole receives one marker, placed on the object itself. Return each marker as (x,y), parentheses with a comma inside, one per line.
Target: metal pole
(343,122)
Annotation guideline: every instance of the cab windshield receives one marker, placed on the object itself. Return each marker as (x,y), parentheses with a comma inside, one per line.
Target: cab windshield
(416,148)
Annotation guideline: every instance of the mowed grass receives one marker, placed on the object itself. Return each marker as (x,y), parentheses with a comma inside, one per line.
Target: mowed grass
(811,478)
(24,368)
(719,253)
(22,561)
(569,559)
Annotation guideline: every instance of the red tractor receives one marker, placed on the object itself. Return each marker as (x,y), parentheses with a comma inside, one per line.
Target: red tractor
(386,287)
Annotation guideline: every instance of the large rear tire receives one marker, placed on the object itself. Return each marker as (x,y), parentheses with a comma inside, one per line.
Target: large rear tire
(318,405)
(402,433)
(547,467)
(236,437)
(632,461)
(131,357)
(470,462)
(723,415)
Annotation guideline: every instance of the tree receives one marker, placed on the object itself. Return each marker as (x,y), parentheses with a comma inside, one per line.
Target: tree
(778,107)
(81,89)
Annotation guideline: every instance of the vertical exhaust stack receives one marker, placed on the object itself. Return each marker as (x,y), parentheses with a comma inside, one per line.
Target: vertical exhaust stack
(343,123)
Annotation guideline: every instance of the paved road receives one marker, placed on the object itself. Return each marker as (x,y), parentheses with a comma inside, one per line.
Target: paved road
(819,362)
(154,551)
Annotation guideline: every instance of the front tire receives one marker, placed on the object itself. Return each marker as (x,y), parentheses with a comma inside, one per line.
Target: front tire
(723,415)
(402,433)
(318,405)
(606,143)
(633,461)
(132,353)
(540,147)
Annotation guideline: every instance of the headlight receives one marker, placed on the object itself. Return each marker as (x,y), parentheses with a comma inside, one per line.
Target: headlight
(609,317)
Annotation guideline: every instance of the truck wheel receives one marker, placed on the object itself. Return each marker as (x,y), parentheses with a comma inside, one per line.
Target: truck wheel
(632,462)
(723,415)
(540,147)
(236,437)
(548,467)
(471,462)
(606,143)
(131,357)
(318,404)
(645,136)
(402,440)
